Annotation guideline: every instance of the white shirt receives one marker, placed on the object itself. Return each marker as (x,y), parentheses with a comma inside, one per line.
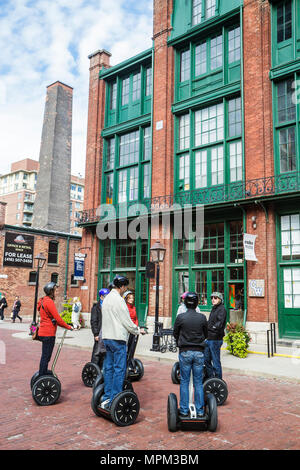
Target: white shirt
(116,321)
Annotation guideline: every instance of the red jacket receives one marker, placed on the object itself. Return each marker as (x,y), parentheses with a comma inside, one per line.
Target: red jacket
(47,313)
(132,312)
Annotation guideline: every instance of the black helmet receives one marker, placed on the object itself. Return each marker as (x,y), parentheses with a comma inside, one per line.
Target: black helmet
(191,300)
(120,281)
(49,287)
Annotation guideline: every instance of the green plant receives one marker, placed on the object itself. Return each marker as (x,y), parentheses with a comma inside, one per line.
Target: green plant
(237,339)
(67,313)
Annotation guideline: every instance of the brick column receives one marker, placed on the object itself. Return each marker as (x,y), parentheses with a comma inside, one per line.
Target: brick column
(162,146)
(2,214)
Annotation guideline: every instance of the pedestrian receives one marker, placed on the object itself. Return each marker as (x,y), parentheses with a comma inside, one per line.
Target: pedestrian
(190,332)
(216,327)
(116,326)
(76,309)
(132,340)
(3,306)
(182,308)
(16,309)
(98,353)
(49,319)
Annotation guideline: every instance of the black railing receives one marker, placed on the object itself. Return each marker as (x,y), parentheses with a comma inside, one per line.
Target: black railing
(240,191)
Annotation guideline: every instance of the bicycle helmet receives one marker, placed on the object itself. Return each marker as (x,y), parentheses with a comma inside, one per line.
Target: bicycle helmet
(218,295)
(191,300)
(104,292)
(182,297)
(120,281)
(49,287)
(127,293)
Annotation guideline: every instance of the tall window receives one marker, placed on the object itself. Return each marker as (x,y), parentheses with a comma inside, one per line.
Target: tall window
(53,252)
(184,132)
(185,66)
(234,117)
(290,237)
(125,91)
(210,10)
(113,95)
(234,45)
(284,21)
(287,149)
(203,9)
(136,87)
(129,148)
(110,159)
(286,108)
(209,125)
(197,12)
(147,143)
(200,59)
(148,81)
(216,52)
(109,188)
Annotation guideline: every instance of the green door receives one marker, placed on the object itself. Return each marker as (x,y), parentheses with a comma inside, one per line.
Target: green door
(289,302)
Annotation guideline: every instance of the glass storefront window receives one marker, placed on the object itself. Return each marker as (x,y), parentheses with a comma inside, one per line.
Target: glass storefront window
(125,254)
(213,247)
(290,237)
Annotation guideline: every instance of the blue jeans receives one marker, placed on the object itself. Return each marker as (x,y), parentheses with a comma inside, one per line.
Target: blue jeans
(191,361)
(212,358)
(114,368)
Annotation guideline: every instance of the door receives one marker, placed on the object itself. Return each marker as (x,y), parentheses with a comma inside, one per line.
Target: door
(289,302)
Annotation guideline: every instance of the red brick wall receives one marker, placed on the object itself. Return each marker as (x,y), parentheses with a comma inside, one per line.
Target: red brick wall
(17,281)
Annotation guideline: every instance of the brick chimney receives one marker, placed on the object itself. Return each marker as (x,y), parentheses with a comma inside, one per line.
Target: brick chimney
(2,214)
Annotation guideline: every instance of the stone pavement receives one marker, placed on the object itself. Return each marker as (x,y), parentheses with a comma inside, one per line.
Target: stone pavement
(262,412)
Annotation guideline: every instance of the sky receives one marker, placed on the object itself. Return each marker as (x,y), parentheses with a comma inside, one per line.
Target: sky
(42,41)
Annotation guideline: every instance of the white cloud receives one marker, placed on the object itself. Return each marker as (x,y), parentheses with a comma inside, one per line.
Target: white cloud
(42,41)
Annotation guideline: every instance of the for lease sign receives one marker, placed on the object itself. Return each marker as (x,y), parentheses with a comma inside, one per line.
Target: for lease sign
(18,250)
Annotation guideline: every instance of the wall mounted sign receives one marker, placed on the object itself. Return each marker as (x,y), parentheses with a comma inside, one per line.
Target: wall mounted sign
(256,287)
(79,266)
(249,247)
(18,250)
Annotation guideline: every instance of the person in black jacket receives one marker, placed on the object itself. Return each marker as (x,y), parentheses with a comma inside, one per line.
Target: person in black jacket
(216,327)
(98,355)
(16,309)
(190,332)
(3,305)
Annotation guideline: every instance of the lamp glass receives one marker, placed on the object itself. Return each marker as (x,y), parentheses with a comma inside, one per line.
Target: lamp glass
(157,252)
(40,259)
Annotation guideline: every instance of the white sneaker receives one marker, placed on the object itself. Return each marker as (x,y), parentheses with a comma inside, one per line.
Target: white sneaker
(104,404)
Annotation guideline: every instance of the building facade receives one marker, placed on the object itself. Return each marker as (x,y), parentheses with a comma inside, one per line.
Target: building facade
(18,190)
(208,117)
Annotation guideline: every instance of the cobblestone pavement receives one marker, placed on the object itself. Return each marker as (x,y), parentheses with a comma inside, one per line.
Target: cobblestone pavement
(259,414)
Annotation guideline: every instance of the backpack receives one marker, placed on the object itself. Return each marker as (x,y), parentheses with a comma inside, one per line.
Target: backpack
(76,308)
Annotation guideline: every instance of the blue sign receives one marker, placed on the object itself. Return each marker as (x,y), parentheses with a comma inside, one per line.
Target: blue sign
(79,268)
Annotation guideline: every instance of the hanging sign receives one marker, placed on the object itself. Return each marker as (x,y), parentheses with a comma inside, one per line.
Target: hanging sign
(18,250)
(79,266)
(249,247)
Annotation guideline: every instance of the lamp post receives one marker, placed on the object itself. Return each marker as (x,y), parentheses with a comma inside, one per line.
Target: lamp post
(40,262)
(158,255)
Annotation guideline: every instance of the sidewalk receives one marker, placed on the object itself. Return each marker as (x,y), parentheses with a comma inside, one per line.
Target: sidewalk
(284,365)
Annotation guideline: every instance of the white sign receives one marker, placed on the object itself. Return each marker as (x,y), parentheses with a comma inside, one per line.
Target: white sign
(3,276)
(84,287)
(160,287)
(256,287)
(159,125)
(80,255)
(249,247)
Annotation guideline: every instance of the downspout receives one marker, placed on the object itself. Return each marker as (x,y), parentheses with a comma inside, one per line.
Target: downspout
(67,266)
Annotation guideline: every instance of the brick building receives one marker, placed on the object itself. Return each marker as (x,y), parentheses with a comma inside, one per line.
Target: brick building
(208,116)
(58,248)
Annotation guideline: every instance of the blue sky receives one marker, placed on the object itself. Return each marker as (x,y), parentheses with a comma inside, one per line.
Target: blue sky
(42,41)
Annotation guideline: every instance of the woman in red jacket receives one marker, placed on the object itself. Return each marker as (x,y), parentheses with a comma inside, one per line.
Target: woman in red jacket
(129,299)
(49,319)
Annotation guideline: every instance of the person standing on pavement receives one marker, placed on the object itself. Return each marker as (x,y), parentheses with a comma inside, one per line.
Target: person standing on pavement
(216,327)
(76,309)
(49,319)
(3,306)
(98,353)
(116,327)
(190,332)
(16,309)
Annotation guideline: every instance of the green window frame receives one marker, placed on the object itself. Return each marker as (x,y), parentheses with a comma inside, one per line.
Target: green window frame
(128,184)
(216,52)
(109,188)
(287,149)
(284,21)
(234,117)
(146,180)
(209,125)
(234,44)
(184,131)
(113,95)
(236,161)
(129,148)
(125,254)
(53,252)
(185,65)
(203,10)
(147,143)
(286,108)
(136,86)
(184,172)
(125,90)
(110,153)
(200,59)
(148,87)
(290,236)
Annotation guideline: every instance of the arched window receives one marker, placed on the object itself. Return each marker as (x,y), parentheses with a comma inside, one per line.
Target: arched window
(53,252)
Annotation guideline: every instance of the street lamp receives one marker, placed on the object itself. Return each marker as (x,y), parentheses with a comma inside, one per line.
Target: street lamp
(157,255)
(40,262)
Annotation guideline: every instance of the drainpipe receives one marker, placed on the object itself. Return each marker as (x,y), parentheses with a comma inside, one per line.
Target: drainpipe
(67,266)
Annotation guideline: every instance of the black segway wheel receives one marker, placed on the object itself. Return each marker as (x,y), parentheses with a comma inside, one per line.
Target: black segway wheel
(99,380)
(172,412)
(125,408)
(46,390)
(218,388)
(212,412)
(36,376)
(89,373)
(175,374)
(137,372)
(96,399)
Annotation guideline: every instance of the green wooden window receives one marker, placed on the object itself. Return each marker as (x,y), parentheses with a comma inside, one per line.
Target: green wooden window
(128,184)
(201,59)
(291,278)
(234,45)
(148,90)
(209,125)
(110,158)
(125,254)
(213,247)
(129,148)
(106,255)
(236,161)
(182,252)
(284,21)
(185,65)
(287,149)
(113,96)
(184,132)
(184,172)
(234,117)
(109,188)
(53,252)
(197,12)
(136,86)
(146,180)
(236,246)
(201,169)
(290,237)
(286,108)
(125,91)
(216,52)
(203,10)
(147,143)
(122,186)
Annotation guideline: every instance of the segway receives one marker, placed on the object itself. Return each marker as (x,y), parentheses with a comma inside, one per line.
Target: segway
(90,373)
(124,408)
(214,385)
(46,389)
(192,422)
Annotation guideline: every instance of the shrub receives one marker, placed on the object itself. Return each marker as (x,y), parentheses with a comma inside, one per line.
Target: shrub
(67,313)
(237,339)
